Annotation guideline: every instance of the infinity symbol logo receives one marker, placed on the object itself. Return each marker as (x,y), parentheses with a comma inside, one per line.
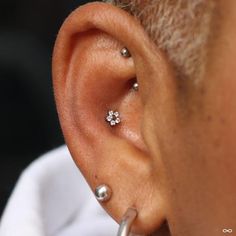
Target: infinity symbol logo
(229,231)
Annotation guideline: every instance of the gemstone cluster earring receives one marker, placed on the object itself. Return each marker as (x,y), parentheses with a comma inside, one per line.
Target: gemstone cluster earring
(113,118)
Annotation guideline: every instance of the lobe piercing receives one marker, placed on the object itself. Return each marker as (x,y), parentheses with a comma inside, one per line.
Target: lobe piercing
(127,221)
(113,118)
(135,86)
(125,52)
(103,193)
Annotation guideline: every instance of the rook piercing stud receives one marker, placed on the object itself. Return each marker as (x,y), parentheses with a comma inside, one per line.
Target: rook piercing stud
(125,52)
(135,86)
(103,193)
(113,118)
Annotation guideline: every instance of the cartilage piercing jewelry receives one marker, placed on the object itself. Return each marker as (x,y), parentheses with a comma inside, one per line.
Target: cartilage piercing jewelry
(135,86)
(113,117)
(103,193)
(125,52)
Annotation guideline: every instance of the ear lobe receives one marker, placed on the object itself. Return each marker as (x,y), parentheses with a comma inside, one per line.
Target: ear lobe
(91,78)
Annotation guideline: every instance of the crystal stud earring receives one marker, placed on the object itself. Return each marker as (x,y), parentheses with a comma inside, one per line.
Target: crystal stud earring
(113,117)
(125,52)
(103,193)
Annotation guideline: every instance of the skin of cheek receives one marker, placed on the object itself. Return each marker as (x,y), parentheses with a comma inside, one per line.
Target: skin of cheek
(194,147)
(197,153)
(197,161)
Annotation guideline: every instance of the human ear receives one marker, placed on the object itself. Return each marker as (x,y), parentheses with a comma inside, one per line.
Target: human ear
(90,78)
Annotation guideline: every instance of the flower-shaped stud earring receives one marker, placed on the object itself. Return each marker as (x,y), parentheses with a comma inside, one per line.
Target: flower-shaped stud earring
(113,117)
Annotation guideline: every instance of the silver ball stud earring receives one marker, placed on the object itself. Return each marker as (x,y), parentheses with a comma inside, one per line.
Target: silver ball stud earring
(125,52)
(103,193)
(135,86)
(113,117)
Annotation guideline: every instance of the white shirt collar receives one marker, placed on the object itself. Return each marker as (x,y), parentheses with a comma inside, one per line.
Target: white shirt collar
(52,198)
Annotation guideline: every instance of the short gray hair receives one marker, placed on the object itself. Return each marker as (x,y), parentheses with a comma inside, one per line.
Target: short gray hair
(179,27)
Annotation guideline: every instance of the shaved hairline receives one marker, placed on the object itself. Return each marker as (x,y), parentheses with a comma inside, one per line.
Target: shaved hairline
(180,28)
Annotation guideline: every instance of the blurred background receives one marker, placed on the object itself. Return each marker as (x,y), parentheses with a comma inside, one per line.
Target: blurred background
(28,119)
